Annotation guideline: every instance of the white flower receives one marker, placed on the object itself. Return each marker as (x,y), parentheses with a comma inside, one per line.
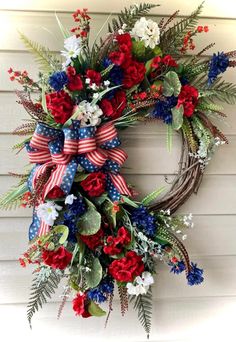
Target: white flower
(72,47)
(48,212)
(107,83)
(70,199)
(147,31)
(140,284)
(89,114)
(87,80)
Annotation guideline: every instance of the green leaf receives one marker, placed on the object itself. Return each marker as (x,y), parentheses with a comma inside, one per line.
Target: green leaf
(94,276)
(79,177)
(152,196)
(90,222)
(171,84)
(95,310)
(64,31)
(108,209)
(44,104)
(177,117)
(63,230)
(138,49)
(128,201)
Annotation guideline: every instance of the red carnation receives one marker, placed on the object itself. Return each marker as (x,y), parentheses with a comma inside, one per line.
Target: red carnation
(79,305)
(188,98)
(113,108)
(115,244)
(61,106)
(169,61)
(117,57)
(74,80)
(56,192)
(93,241)
(59,258)
(124,40)
(94,184)
(133,74)
(94,76)
(127,268)
(156,62)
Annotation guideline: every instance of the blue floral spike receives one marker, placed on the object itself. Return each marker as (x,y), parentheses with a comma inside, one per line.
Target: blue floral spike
(99,293)
(218,64)
(162,109)
(195,275)
(144,220)
(58,80)
(178,268)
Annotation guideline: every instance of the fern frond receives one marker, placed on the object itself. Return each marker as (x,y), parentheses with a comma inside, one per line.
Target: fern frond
(172,39)
(143,305)
(223,91)
(12,199)
(189,136)
(152,196)
(130,16)
(43,56)
(40,292)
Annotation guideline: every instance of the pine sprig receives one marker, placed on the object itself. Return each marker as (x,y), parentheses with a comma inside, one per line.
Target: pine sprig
(41,292)
(129,16)
(143,305)
(172,39)
(43,56)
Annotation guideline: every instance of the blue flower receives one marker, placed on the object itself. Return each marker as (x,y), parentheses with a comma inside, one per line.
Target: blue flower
(58,80)
(178,268)
(116,74)
(195,275)
(218,64)
(99,293)
(144,220)
(162,109)
(78,206)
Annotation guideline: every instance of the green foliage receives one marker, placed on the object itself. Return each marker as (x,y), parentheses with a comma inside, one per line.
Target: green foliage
(143,305)
(129,16)
(152,196)
(95,310)
(43,56)
(177,117)
(63,231)
(12,199)
(94,276)
(172,39)
(41,291)
(171,84)
(90,222)
(222,91)
(204,135)
(189,135)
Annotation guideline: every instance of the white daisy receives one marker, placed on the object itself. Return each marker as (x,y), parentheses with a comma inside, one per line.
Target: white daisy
(47,212)
(72,47)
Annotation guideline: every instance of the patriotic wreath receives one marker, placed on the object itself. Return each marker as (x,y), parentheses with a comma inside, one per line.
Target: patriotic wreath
(87,227)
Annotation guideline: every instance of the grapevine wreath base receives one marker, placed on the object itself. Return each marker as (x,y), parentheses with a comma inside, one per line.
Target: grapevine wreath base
(87,227)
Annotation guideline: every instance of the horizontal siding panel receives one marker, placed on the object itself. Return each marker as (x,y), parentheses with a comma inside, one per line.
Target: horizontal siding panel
(212,235)
(43,28)
(217,191)
(223,9)
(146,155)
(219,273)
(184,316)
(184,320)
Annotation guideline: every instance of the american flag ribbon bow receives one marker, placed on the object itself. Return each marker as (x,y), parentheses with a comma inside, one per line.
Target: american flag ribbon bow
(60,151)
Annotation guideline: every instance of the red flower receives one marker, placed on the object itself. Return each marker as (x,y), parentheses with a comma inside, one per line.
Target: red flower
(93,241)
(94,76)
(127,268)
(56,192)
(113,108)
(169,61)
(188,98)
(133,74)
(94,184)
(124,40)
(156,62)
(61,106)
(79,305)
(74,80)
(60,258)
(117,57)
(116,244)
